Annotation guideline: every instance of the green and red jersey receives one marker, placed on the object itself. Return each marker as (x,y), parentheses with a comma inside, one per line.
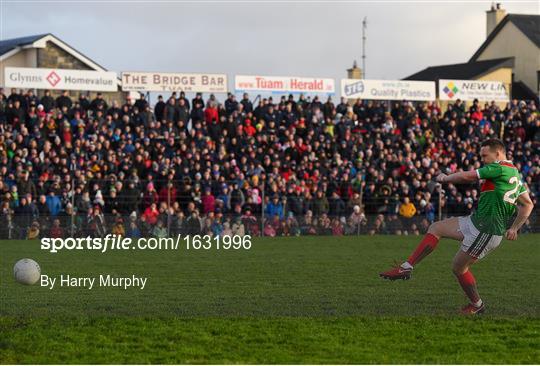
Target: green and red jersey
(498,196)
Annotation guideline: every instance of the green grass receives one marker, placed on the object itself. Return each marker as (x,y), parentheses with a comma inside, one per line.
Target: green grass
(286,300)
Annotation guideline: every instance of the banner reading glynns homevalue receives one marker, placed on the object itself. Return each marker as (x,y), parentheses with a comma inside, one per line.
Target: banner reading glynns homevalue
(285,84)
(388,89)
(166,81)
(473,89)
(60,79)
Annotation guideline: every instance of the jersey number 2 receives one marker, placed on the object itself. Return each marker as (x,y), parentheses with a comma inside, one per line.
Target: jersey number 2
(509,196)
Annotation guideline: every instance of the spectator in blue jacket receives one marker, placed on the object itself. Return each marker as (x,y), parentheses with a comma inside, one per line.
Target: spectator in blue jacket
(54,203)
(275,207)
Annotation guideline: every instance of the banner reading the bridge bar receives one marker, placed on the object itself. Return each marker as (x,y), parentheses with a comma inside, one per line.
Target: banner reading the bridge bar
(473,89)
(388,89)
(166,81)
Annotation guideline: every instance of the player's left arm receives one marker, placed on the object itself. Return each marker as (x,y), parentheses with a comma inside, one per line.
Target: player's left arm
(524,209)
(470,176)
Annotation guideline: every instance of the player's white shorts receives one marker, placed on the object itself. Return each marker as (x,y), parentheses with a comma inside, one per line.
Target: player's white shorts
(475,243)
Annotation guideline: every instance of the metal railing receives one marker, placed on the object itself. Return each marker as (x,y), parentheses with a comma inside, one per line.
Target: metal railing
(166,225)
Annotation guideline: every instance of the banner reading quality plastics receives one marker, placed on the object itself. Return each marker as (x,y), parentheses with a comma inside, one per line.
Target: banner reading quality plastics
(388,89)
(286,84)
(60,79)
(164,81)
(472,89)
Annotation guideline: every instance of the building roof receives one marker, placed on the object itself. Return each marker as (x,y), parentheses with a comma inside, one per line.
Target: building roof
(529,25)
(9,47)
(11,44)
(464,71)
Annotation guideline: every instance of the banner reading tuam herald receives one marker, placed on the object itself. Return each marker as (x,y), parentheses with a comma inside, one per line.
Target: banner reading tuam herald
(388,89)
(164,81)
(60,79)
(285,84)
(473,89)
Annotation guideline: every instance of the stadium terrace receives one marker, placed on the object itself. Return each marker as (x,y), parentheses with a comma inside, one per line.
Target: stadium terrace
(279,167)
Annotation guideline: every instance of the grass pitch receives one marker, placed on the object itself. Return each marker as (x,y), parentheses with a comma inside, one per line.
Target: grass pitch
(286,300)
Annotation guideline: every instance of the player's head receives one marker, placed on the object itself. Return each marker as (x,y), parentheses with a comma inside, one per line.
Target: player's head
(492,150)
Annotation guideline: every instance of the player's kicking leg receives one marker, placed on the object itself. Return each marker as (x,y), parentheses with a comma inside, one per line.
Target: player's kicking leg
(448,228)
(474,246)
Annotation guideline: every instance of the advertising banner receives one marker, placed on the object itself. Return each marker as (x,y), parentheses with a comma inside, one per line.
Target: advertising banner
(60,79)
(388,89)
(285,84)
(164,81)
(473,89)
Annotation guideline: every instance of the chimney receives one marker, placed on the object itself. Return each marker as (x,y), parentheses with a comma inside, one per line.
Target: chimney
(494,17)
(355,72)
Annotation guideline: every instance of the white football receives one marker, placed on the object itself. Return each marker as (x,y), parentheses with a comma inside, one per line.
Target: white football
(27,271)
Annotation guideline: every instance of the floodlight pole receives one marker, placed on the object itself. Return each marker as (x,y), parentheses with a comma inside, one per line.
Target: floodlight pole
(364,28)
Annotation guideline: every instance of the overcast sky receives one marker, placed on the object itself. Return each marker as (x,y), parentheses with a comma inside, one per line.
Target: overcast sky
(282,39)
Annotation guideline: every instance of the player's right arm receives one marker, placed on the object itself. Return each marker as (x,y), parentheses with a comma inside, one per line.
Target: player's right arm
(490,171)
(524,209)
(461,177)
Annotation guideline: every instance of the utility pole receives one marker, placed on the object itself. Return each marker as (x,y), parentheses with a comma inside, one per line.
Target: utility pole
(364,28)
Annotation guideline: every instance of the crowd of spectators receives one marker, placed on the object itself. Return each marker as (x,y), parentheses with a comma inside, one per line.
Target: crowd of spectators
(291,166)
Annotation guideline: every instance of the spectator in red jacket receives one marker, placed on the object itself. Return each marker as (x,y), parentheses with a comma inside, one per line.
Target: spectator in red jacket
(151,214)
(208,201)
(211,113)
(249,129)
(150,195)
(56,231)
(168,193)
